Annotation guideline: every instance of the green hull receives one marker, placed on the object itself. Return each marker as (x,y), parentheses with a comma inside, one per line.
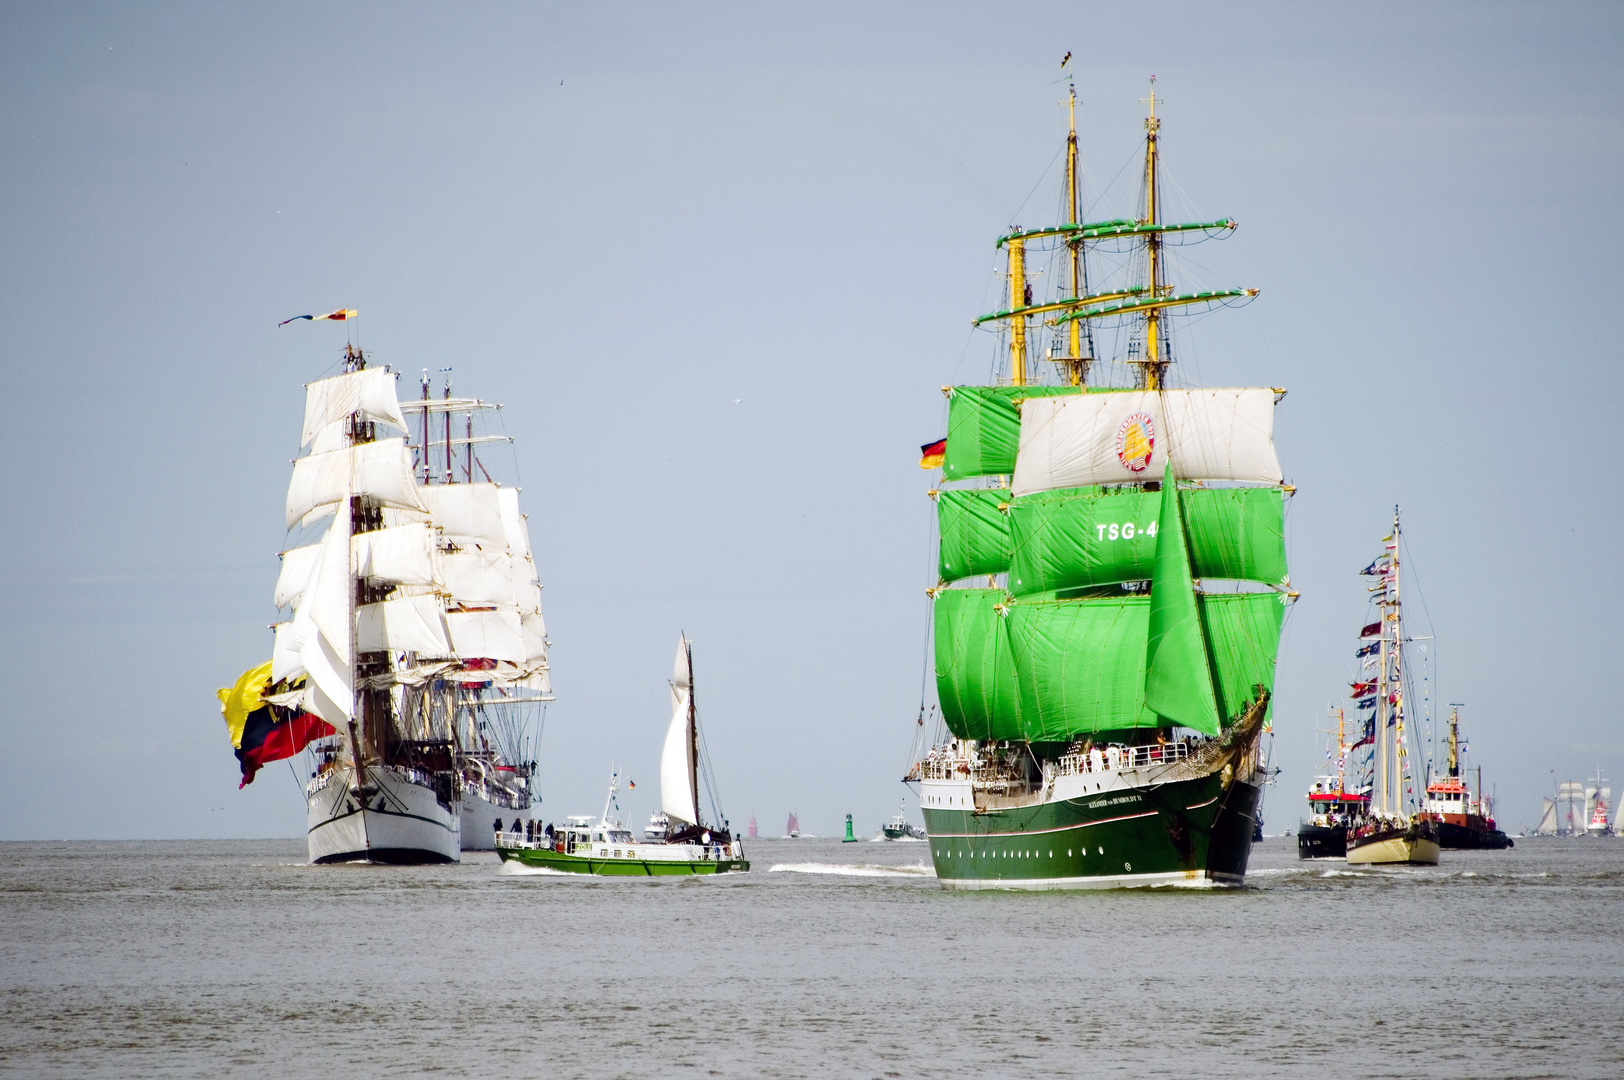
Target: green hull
(587,864)
(1188,832)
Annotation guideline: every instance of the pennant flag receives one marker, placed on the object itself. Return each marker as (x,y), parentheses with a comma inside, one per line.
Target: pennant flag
(1365,703)
(1375,567)
(931,455)
(1360,689)
(1371,630)
(1369,650)
(341,315)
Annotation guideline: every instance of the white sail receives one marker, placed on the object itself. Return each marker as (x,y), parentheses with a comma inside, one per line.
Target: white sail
(1547,818)
(533,628)
(682,676)
(678,798)
(404,554)
(488,635)
(475,577)
(286,662)
(514,524)
(1075,440)
(290,581)
(381,470)
(468,511)
(407,624)
(370,392)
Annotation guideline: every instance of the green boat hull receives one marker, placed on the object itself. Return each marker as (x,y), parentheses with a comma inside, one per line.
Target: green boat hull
(1189,832)
(543,859)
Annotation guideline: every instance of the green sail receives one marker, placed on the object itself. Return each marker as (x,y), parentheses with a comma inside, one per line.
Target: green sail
(984,428)
(1178,678)
(1055,670)
(975,679)
(974,531)
(1079,537)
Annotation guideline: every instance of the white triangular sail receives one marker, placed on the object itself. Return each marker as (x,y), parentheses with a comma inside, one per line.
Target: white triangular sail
(1547,818)
(678,797)
(370,392)
(1076,440)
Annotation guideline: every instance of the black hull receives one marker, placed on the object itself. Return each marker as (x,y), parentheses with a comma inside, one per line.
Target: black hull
(1462,838)
(1322,842)
(386,856)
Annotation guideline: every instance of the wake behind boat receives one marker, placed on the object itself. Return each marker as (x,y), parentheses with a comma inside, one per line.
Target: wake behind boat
(607,848)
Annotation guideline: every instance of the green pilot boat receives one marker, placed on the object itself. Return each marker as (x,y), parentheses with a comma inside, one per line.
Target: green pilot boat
(607,848)
(1111,579)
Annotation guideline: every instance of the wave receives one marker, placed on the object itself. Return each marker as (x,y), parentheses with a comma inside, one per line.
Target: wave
(852,869)
(514,868)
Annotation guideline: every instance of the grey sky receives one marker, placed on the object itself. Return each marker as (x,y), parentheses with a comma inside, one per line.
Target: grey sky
(618,219)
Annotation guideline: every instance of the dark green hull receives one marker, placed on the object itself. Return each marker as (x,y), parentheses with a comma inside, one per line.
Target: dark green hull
(1187,832)
(544,859)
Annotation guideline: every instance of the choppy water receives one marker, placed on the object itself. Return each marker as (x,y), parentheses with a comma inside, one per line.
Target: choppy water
(235,958)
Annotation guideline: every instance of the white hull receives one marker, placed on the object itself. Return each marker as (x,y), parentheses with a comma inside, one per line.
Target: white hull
(479,818)
(402,821)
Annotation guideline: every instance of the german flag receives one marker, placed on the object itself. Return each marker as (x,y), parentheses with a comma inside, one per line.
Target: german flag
(260,732)
(931,455)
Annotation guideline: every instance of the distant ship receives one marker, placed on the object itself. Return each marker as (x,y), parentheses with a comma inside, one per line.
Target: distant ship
(899,828)
(750,832)
(658,827)
(793,829)
(1331,806)
(607,848)
(1387,832)
(1598,798)
(1463,819)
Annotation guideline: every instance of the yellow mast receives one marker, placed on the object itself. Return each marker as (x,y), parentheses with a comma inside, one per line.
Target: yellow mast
(1075,364)
(1154,364)
(1017,299)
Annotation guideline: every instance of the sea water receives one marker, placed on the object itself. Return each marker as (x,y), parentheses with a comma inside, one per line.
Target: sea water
(827,959)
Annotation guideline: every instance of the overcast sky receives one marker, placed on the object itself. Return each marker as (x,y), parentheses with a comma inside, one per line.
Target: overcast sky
(618,219)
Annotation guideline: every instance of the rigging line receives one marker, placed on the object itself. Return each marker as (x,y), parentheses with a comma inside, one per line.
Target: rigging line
(1106,190)
(1041,178)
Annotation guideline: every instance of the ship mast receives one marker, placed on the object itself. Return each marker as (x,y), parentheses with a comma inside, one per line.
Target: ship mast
(1454,741)
(1154,363)
(1075,360)
(693,731)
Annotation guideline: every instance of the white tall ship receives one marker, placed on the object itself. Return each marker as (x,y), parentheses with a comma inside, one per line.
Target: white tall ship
(416,628)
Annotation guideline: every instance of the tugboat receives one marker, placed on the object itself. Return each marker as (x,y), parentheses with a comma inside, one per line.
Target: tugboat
(1386,834)
(1331,806)
(1464,822)
(899,828)
(1598,797)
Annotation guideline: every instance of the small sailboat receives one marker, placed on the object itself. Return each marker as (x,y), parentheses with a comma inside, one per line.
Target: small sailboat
(751,832)
(1387,833)
(690,846)
(793,828)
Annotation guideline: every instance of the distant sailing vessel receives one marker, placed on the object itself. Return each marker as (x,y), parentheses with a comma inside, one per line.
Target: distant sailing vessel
(606,847)
(750,833)
(1388,833)
(1111,584)
(793,828)
(1571,807)
(416,626)
(1332,807)
(1464,820)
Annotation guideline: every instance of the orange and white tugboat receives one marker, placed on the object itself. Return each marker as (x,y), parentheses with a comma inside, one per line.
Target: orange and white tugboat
(1388,832)
(1464,818)
(1331,806)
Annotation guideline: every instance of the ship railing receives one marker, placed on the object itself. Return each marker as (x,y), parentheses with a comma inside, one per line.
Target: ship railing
(1112,758)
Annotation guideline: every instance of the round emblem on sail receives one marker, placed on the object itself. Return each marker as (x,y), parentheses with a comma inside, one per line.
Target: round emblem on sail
(1135,441)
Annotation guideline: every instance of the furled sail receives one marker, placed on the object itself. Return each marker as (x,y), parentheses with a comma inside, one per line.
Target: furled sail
(404,554)
(1126,437)
(1081,537)
(371,392)
(974,530)
(381,470)
(405,624)
(1178,677)
(467,512)
(679,795)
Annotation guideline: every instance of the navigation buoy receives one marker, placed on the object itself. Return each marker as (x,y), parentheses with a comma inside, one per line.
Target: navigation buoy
(850,839)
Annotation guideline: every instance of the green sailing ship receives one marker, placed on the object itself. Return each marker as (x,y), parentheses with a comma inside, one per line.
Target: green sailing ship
(1112,580)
